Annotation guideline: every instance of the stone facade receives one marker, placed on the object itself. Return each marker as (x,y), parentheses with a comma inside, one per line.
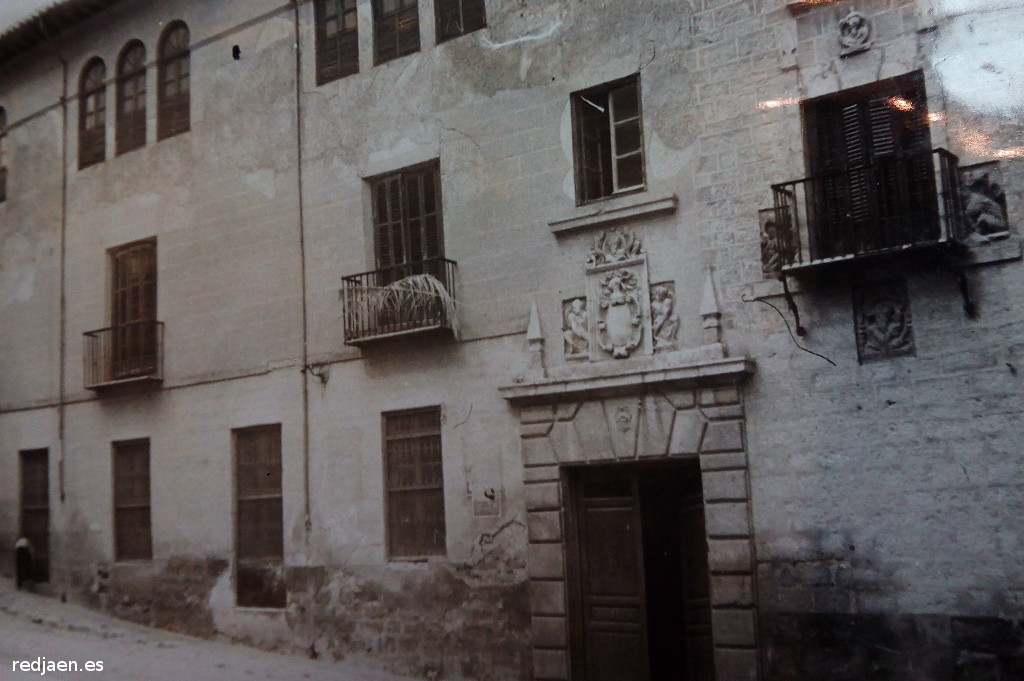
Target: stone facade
(862,494)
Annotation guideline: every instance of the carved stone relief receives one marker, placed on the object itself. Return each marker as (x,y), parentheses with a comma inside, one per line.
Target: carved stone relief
(575,328)
(620,316)
(775,251)
(664,320)
(614,246)
(881,311)
(984,200)
(854,34)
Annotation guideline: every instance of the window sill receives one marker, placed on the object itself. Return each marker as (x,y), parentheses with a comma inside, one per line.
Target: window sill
(607,214)
(260,610)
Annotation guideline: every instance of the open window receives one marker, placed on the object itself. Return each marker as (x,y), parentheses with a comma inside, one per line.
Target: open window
(608,138)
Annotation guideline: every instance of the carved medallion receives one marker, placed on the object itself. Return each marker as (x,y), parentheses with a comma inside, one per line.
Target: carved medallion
(620,313)
(984,200)
(854,34)
(881,311)
(664,320)
(623,418)
(614,246)
(575,327)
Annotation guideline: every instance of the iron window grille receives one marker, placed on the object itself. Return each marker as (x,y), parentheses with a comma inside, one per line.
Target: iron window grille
(131,98)
(414,483)
(133,539)
(608,139)
(396,29)
(173,78)
(337,39)
(259,524)
(458,17)
(92,109)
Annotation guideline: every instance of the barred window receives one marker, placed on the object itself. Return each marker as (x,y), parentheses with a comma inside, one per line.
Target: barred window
(173,89)
(396,29)
(415,483)
(92,114)
(132,519)
(458,17)
(259,528)
(337,39)
(608,140)
(131,98)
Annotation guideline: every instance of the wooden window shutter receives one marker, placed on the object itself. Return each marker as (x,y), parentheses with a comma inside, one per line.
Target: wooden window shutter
(132,521)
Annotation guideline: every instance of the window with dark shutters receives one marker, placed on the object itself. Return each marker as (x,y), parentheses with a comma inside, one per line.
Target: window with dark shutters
(134,342)
(92,109)
(173,84)
(132,519)
(608,137)
(871,150)
(396,29)
(259,523)
(131,98)
(337,39)
(35,508)
(414,483)
(458,17)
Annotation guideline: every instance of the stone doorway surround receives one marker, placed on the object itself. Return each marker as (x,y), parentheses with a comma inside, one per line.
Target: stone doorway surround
(633,412)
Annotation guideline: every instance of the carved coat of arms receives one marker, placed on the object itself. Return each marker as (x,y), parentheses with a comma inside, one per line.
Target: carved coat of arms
(620,313)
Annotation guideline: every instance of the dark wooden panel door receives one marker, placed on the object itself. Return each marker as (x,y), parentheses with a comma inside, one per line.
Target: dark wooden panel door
(35,508)
(700,663)
(611,578)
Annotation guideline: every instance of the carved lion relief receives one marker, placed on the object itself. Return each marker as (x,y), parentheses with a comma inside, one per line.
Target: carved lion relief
(984,200)
(881,311)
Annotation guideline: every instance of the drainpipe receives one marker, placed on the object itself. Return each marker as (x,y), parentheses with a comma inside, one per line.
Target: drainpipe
(302,268)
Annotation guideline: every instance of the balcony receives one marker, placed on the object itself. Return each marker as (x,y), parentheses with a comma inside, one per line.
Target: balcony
(893,205)
(127,353)
(400,300)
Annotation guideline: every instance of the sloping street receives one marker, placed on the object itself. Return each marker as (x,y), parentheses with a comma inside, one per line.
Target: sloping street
(44,632)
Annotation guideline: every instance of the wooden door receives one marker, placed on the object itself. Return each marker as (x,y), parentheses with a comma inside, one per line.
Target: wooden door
(611,578)
(35,509)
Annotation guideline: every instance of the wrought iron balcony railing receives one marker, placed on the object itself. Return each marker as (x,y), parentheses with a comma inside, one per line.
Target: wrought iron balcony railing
(892,205)
(124,353)
(399,300)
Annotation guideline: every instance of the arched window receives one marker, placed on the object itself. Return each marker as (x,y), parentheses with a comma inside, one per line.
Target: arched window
(173,76)
(131,97)
(3,158)
(92,108)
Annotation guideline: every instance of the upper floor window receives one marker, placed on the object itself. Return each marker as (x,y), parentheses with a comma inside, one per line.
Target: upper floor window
(396,29)
(458,17)
(131,98)
(337,40)
(3,152)
(608,138)
(407,220)
(173,100)
(92,114)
